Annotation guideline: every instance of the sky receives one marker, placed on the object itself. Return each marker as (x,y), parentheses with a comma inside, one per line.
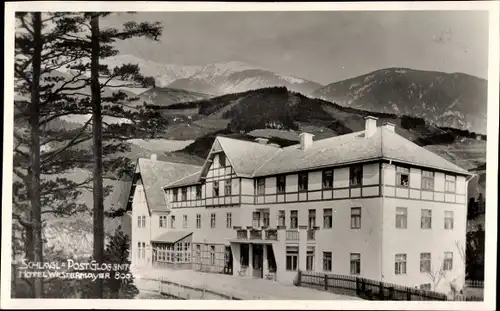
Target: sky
(324,47)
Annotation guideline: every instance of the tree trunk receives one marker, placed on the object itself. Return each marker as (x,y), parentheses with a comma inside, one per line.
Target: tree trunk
(98,211)
(34,170)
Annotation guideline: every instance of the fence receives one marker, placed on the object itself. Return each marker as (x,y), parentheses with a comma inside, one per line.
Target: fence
(364,288)
(474,284)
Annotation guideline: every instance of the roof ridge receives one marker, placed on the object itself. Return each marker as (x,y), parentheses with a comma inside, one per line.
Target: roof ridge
(185,177)
(170,162)
(248,141)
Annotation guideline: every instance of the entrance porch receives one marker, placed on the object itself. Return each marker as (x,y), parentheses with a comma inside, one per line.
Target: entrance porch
(254,259)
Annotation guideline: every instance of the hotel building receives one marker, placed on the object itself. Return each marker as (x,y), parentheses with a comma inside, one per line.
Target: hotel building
(370,204)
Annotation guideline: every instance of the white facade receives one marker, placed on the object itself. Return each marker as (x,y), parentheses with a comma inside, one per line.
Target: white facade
(363,226)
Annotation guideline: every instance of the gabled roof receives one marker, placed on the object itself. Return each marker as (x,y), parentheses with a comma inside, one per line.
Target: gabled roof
(252,159)
(154,175)
(246,156)
(351,148)
(171,236)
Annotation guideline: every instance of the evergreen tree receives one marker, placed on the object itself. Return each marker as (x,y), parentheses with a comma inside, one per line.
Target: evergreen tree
(65,91)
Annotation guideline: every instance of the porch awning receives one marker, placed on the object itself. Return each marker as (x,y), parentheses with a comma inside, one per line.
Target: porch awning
(171,237)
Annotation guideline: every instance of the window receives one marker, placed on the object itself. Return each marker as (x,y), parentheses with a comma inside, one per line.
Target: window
(184,194)
(303,180)
(448,220)
(327,261)
(281,218)
(222,160)
(310,258)
(400,264)
(144,221)
(138,250)
(426,219)
(426,286)
(292,258)
(198,221)
(425,262)
(427,180)
(294,219)
(212,220)
(355,175)
(355,217)
(401,217)
(450,183)
(172,222)
(175,193)
(143,250)
(266,219)
(163,221)
(229,220)
(328,179)
(216,188)
(327,218)
(184,221)
(139,221)
(448,261)
(256,219)
(355,263)
(261,186)
(281,183)
(402,176)
(312,218)
(198,192)
(227,187)
(212,255)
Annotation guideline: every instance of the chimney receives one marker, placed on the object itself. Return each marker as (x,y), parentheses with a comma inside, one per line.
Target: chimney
(153,156)
(306,140)
(262,141)
(390,126)
(370,126)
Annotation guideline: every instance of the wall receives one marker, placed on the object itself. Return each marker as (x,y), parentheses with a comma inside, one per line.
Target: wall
(219,234)
(140,208)
(413,240)
(341,240)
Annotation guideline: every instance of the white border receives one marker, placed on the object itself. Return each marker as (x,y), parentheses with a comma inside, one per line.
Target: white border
(492,153)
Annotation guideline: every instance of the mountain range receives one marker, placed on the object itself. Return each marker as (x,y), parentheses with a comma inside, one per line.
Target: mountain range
(447,99)
(214,79)
(454,100)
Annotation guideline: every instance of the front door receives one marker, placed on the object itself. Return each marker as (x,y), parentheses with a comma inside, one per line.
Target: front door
(228,261)
(258,257)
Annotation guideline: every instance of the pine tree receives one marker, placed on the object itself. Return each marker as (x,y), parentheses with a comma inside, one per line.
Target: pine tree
(65,91)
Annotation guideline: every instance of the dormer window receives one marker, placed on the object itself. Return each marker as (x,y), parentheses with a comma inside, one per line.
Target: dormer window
(303,181)
(184,194)
(328,179)
(198,192)
(403,176)
(281,183)
(261,186)
(175,193)
(355,175)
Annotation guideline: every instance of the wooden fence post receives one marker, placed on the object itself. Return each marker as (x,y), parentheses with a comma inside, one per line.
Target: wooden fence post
(299,277)
(326,282)
(357,286)
(381,291)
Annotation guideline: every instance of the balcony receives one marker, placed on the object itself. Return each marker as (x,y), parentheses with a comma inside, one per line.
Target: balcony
(255,234)
(272,234)
(311,235)
(292,235)
(242,234)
